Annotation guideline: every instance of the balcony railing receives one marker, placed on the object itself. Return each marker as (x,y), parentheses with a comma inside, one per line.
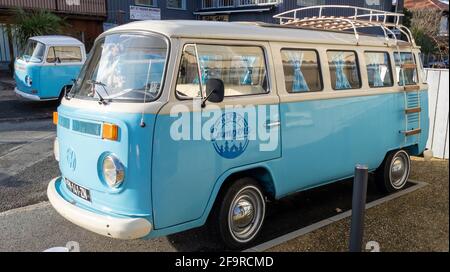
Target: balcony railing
(208,4)
(78,7)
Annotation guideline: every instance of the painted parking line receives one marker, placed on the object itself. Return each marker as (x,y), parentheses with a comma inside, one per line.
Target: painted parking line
(292,235)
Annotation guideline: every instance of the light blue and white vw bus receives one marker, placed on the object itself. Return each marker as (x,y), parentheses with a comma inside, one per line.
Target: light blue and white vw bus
(48,67)
(175,124)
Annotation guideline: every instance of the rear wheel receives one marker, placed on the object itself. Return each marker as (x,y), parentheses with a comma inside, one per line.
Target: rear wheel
(393,173)
(239,214)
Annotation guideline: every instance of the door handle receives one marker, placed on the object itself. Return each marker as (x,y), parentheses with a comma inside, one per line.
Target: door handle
(273,124)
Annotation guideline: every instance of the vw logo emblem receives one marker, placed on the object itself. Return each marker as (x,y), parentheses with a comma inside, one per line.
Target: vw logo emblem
(71,159)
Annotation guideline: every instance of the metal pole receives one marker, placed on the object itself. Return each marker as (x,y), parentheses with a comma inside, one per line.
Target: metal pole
(358,208)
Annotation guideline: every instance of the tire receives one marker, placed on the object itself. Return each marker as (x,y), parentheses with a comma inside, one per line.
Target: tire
(393,173)
(239,230)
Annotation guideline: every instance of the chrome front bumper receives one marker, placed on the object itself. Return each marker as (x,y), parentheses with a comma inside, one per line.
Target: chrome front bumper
(115,227)
(31,97)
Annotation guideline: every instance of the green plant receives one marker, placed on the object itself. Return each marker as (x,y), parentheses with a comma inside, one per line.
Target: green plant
(36,23)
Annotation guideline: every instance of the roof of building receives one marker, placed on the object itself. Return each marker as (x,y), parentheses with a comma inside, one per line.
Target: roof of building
(248,31)
(422,4)
(57,40)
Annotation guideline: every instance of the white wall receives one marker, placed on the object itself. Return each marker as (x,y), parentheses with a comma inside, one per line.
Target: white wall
(438,91)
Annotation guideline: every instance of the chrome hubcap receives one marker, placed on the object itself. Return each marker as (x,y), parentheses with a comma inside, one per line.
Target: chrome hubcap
(399,170)
(246,214)
(242,213)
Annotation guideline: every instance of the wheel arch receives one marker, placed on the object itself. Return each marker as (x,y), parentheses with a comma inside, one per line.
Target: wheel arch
(260,173)
(412,150)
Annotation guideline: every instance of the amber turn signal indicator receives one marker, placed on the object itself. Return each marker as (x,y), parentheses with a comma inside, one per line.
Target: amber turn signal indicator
(110,132)
(55,118)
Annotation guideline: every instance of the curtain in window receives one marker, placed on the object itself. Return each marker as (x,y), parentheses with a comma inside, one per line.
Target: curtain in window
(204,69)
(299,83)
(376,70)
(341,80)
(247,78)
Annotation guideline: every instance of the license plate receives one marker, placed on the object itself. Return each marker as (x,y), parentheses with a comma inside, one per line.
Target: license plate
(78,190)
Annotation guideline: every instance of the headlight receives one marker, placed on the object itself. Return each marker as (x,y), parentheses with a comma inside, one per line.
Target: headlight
(56,149)
(28,81)
(113,171)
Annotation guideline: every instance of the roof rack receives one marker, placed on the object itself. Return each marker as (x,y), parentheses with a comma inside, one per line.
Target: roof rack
(359,18)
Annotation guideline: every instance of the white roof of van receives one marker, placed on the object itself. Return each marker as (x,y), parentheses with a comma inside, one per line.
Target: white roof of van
(248,31)
(57,40)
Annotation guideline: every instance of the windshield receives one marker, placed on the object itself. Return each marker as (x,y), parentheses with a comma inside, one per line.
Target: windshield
(123,67)
(34,51)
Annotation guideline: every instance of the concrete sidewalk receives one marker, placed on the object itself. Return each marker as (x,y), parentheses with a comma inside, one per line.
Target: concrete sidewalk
(418,221)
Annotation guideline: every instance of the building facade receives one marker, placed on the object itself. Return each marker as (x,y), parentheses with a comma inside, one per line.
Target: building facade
(123,11)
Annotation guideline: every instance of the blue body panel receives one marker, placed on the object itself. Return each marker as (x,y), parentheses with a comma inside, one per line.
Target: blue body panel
(174,183)
(21,70)
(185,172)
(48,80)
(323,140)
(133,148)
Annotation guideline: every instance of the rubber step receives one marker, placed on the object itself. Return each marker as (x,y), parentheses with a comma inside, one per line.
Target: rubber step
(411,88)
(413,110)
(412,132)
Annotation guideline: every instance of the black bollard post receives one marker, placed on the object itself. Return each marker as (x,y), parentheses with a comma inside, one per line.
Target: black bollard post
(358,208)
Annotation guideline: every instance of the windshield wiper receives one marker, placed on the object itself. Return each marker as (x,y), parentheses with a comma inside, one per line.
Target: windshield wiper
(94,83)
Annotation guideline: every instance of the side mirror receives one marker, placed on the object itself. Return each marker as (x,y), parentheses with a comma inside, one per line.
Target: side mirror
(215,91)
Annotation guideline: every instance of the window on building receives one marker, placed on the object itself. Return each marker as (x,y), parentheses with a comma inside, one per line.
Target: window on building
(443,26)
(379,71)
(241,68)
(406,68)
(301,70)
(64,54)
(176,4)
(306,3)
(344,70)
(145,2)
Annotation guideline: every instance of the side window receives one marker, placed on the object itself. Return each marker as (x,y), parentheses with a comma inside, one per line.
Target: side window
(187,82)
(406,68)
(301,70)
(379,69)
(241,68)
(51,58)
(344,70)
(64,54)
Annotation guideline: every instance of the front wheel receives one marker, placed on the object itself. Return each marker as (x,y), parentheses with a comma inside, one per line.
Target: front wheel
(393,173)
(239,214)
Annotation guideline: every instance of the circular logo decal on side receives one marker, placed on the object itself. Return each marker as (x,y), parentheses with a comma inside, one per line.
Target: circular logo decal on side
(71,159)
(229,135)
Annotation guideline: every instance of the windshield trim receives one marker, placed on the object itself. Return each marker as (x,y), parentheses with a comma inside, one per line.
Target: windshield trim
(147,33)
